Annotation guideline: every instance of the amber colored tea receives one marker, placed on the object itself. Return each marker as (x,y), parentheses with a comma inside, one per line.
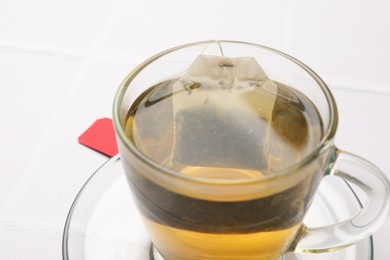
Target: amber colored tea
(239,137)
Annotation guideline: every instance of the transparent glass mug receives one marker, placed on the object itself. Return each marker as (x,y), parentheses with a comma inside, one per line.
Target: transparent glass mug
(196,218)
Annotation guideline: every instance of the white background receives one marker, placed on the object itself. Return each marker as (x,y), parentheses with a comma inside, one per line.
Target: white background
(61,62)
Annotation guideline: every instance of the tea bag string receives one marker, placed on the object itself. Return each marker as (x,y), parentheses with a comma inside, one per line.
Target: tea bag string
(220,47)
(226,64)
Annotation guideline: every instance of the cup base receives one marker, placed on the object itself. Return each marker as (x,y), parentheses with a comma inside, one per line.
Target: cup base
(155,255)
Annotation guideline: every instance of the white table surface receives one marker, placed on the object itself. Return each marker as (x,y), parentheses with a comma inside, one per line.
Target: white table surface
(61,63)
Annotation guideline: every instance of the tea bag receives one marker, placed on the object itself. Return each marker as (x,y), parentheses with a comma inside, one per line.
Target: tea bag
(222,109)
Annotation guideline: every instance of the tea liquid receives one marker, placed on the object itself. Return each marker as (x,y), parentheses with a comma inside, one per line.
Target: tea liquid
(238,137)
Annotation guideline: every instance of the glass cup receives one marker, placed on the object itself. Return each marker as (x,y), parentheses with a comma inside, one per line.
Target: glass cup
(193,217)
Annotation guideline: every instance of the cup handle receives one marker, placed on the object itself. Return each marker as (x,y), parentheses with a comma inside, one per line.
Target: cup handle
(374,213)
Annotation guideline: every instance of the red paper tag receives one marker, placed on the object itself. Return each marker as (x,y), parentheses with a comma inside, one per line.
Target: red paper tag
(100,136)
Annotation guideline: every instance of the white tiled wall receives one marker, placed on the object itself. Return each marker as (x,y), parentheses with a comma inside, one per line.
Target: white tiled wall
(61,62)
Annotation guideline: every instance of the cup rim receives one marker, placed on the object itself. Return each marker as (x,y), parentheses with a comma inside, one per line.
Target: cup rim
(326,141)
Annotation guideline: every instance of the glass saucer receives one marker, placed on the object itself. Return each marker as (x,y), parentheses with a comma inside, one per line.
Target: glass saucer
(103,222)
